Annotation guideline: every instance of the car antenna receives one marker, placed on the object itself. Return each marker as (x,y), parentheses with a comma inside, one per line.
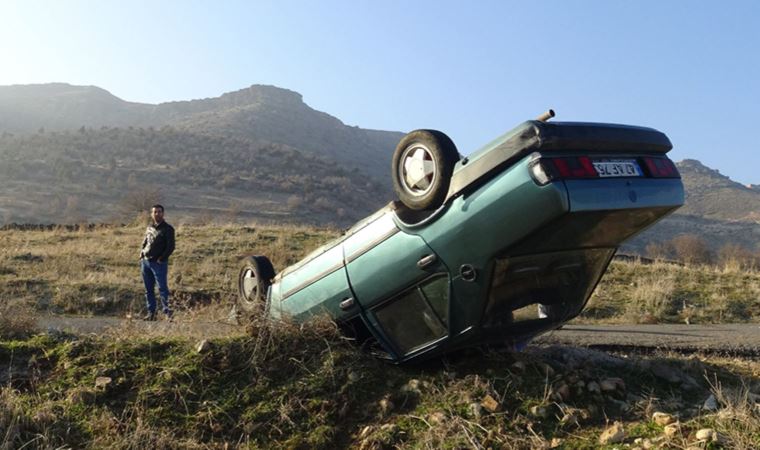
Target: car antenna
(546,116)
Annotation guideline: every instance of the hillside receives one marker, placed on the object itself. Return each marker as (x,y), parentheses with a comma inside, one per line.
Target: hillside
(264,114)
(110,174)
(711,195)
(719,210)
(78,153)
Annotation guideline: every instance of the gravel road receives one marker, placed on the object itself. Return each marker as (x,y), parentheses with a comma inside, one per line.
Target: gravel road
(740,339)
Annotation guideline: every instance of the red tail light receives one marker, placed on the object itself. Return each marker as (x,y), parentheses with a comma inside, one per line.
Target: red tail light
(661,168)
(573,167)
(547,169)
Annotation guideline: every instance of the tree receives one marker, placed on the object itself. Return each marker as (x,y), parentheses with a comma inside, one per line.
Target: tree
(138,202)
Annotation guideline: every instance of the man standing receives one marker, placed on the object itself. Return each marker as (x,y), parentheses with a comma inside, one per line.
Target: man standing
(157,246)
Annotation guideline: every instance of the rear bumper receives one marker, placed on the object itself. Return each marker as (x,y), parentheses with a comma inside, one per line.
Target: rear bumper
(624,193)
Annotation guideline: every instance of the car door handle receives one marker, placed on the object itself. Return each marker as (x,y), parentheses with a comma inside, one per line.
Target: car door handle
(426,261)
(346,303)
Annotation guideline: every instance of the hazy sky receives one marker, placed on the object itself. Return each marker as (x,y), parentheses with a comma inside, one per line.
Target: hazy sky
(472,69)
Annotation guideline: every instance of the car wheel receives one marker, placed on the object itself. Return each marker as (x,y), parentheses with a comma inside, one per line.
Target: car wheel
(422,167)
(255,276)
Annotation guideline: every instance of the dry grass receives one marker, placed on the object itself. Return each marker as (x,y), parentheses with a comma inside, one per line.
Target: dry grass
(651,297)
(668,293)
(17,320)
(738,422)
(96,271)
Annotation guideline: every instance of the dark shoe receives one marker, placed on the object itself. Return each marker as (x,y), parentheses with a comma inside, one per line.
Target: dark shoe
(170,315)
(150,317)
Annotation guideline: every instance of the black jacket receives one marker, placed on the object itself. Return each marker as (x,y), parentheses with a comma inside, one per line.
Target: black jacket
(158,242)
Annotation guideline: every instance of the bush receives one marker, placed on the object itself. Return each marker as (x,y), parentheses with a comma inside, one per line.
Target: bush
(691,249)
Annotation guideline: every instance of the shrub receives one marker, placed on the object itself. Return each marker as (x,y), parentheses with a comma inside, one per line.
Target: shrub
(691,249)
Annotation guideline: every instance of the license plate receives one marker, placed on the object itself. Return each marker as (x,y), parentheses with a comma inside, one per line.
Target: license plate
(617,168)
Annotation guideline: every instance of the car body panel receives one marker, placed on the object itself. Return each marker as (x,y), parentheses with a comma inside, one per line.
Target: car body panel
(319,286)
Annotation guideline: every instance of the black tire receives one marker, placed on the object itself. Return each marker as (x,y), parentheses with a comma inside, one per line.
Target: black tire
(419,185)
(254,278)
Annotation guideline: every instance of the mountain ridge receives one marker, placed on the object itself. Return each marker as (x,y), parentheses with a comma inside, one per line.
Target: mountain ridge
(251,143)
(261,113)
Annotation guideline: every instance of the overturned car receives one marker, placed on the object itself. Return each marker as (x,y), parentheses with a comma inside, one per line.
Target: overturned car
(499,246)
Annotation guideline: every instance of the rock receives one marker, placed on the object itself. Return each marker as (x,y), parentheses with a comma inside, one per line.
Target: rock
(665,372)
(518,366)
(593,387)
(662,419)
(437,418)
(386,406)
(711,404)
(612,385)
(102,382)
(672,429)
(412,386)
(490,404)
(203,346)
(706,434)
(555,443)
(613,435)
(643,443)
(476,410)
(539,411)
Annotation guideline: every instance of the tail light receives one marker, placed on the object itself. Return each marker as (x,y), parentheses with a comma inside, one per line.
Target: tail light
(661,168)
(547,169)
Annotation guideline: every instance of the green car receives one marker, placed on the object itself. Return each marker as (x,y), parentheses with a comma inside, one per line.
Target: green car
(499,246)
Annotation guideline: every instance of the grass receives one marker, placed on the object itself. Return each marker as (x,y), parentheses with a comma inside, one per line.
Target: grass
(284,385)
(632,292)
(95,271)
(305,386)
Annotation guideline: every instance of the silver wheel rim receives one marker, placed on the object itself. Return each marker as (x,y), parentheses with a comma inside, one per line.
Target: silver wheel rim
(250,285)
(417,171)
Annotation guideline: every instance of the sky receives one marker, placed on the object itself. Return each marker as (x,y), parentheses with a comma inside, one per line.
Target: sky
(471,69)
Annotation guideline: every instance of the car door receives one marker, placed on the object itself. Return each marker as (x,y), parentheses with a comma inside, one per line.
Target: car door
(400,283)
(320,285)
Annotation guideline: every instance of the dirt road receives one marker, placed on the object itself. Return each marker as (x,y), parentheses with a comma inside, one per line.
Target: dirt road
(739,339)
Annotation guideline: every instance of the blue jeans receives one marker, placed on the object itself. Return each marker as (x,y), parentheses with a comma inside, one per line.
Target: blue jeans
(153,272)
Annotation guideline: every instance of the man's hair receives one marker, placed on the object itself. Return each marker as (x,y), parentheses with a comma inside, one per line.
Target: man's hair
(157,206)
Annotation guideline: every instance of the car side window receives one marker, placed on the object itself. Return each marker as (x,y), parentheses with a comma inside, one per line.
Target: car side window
(417,316)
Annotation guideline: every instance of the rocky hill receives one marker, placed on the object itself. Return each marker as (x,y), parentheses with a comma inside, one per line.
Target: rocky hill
(717,209)
(711,195)
(264,114)
(78,153)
